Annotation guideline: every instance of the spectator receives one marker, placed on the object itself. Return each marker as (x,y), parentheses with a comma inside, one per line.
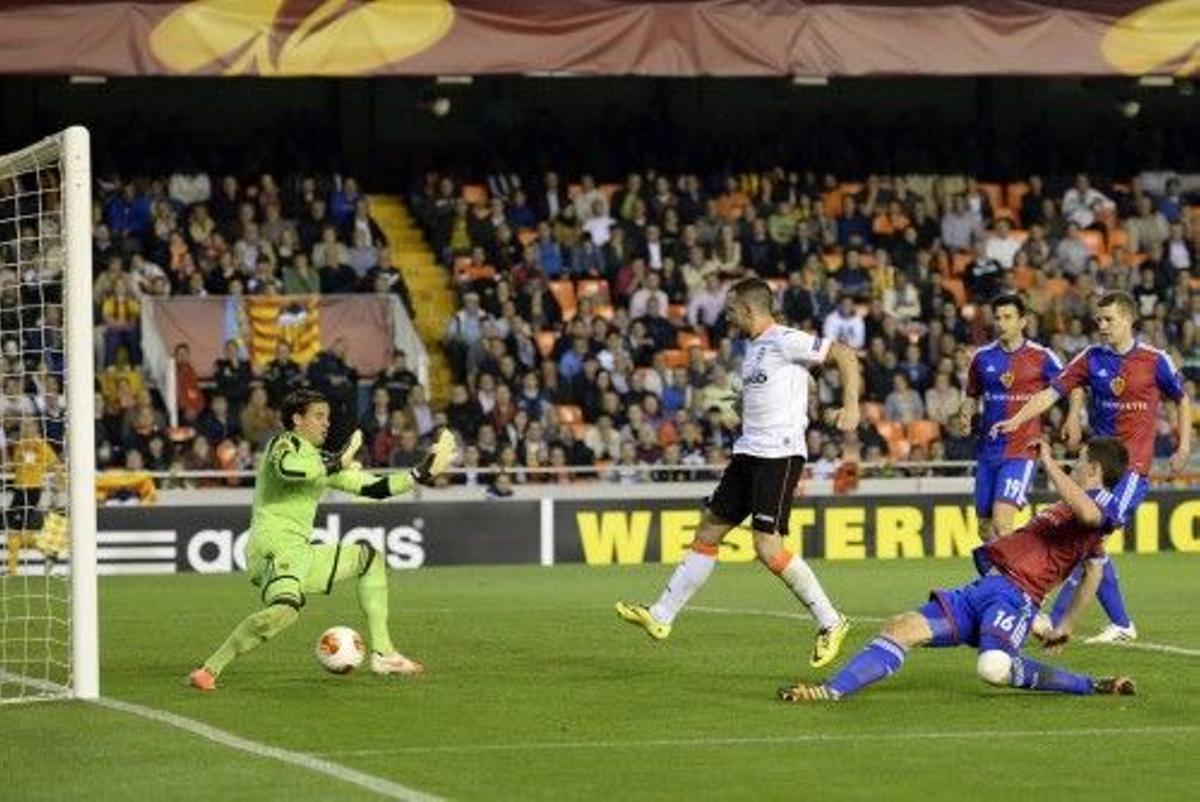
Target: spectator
(121,315)
(985,276)
(1001,245)
(258,420)
(845,325)
(903,404)
(959,226)
(943,400)
(1083,205)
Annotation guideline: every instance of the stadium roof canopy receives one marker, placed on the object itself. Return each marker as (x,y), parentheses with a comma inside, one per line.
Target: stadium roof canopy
(600,37)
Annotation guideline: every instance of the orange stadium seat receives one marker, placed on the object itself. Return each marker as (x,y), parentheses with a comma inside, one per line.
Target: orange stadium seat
(995,195)
(605,311)
(957,289)
(592,287)
(526,235)
(923,432)
(1117,238)
(568,413)
(959,261)
(564,292)
(1014,193)
(675,358)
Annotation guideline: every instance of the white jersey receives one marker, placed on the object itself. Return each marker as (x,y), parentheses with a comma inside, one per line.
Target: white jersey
(775,392)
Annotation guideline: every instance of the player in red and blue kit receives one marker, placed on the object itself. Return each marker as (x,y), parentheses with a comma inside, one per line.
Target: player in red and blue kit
(1003,375)
(1126,381)
(995,612)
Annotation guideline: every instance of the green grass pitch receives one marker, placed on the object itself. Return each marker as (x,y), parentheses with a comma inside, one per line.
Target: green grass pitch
(535,691)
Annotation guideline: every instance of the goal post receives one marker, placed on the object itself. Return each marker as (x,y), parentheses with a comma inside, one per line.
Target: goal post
(81,445)
(49,643)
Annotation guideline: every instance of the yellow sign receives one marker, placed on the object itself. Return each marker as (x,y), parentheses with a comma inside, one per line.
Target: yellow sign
(337,37)
(881,530)
(1161,37)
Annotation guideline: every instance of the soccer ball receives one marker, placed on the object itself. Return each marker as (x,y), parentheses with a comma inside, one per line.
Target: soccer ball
(340,650)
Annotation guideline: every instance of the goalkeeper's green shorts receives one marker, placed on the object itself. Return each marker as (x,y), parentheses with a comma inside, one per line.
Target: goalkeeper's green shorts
(286,575)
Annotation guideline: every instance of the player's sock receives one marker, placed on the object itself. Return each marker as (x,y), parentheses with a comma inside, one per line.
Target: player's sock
(1065,594)
(795,573)
(1029,673)
(1111,598)
(880,658)
(691,574)
(373,599)
(254,630)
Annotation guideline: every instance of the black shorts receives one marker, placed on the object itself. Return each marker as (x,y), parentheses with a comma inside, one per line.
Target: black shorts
(23,514)
(761,487)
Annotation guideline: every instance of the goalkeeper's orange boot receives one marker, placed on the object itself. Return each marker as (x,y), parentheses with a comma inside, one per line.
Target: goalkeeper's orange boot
(394,663)
(202,679)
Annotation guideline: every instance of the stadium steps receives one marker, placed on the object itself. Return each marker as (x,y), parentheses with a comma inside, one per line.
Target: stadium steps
(428,282)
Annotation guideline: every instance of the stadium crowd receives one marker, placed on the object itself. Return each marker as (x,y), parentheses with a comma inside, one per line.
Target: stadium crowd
(591,331)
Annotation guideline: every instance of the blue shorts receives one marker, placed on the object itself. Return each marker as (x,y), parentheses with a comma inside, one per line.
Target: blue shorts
(1006,482)
(990,613)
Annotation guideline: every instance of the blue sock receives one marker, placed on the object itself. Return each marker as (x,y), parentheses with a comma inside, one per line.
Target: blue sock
(1065,594)
(1109,594)
(1029,673)
(878,659)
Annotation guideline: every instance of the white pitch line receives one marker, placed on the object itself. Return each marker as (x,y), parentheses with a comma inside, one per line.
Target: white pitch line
(964,735)
(1164,648)
(1153,647)
(770,613)
(369,782)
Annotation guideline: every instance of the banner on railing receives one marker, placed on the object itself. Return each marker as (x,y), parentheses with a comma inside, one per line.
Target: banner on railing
(612,532)
(596,532)
(213,539)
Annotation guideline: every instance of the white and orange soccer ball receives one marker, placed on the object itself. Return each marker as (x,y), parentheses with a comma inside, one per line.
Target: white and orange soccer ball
(340,650)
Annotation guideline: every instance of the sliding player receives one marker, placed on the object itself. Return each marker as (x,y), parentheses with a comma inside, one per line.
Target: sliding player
(1127,381)
(281,561)
(995,612)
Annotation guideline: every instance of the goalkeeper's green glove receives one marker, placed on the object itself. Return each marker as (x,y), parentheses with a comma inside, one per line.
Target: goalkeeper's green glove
(437,459)
(344,459)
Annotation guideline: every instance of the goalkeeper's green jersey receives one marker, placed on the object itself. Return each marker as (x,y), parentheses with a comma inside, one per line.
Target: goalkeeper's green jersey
(290,482)
(289,485)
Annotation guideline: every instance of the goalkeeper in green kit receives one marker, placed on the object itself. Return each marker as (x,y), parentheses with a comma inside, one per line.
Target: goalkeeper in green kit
(282,562)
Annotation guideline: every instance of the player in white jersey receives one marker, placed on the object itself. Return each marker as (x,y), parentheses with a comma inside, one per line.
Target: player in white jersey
(767,461)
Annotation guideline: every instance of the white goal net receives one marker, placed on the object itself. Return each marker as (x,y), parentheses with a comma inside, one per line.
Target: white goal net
(47,464)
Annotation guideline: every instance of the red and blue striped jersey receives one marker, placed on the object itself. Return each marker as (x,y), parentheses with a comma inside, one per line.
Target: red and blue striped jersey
(1002,381)
(1126,391)
(1040,555)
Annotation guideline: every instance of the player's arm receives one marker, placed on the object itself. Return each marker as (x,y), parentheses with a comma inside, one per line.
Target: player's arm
(292,462)
(358,482)
(1180,457)
(1086,510)
(1073,425)
(1034,408)
(1170,384)
(1073,377)
(847,364)
(1093,572)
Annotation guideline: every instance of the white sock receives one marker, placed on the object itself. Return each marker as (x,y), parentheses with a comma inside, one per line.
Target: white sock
(804,583)
(689,577)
